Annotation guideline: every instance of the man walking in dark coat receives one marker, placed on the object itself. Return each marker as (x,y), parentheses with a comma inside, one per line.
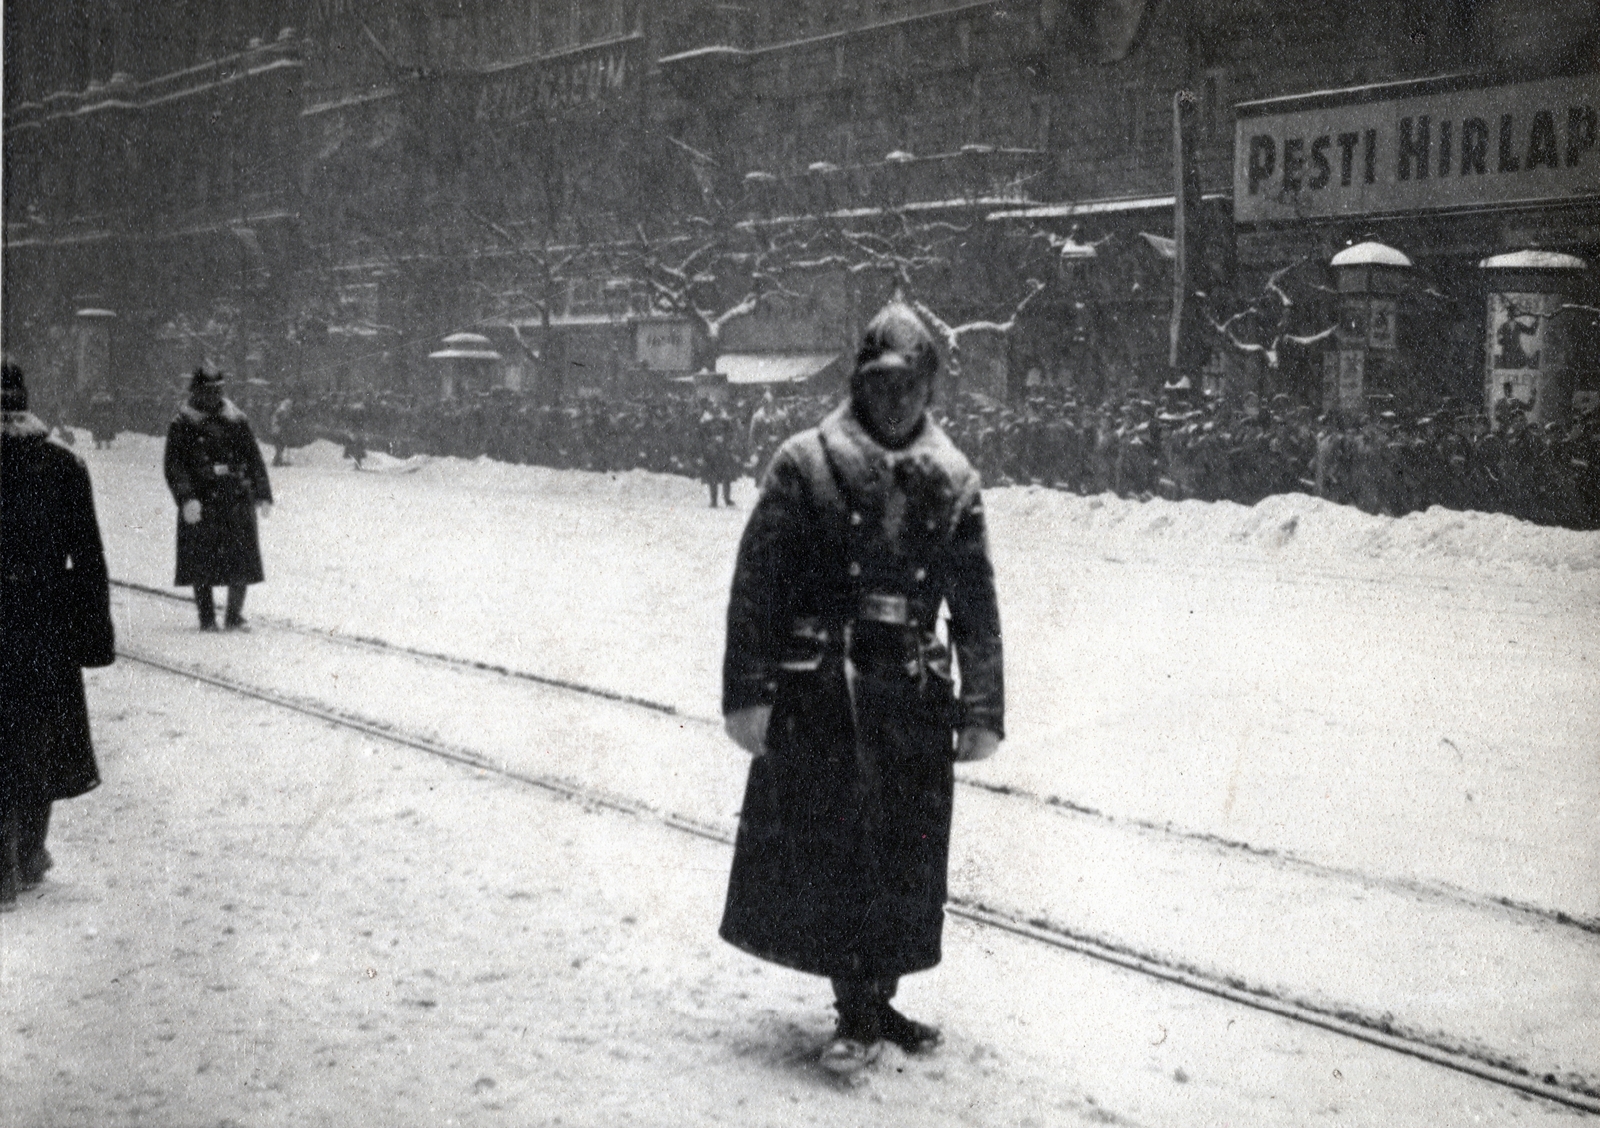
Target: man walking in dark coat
(868,532)
(55,608)
(216,474)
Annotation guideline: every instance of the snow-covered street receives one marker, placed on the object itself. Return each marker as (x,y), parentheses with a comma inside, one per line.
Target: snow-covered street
(1414,698)
(1348,760)
(261,921)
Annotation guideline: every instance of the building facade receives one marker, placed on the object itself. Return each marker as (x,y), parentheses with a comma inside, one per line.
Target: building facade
(316,192)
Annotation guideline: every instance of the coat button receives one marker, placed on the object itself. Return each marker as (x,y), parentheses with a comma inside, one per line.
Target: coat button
(855,518)
(855,569)
(921,574)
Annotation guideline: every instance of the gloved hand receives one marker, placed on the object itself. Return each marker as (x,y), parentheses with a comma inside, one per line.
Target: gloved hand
(975,743)
(264,508)
(191,511)
(748,727)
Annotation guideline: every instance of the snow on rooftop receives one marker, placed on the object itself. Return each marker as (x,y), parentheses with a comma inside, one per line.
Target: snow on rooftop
(1534,260)
(1369,254)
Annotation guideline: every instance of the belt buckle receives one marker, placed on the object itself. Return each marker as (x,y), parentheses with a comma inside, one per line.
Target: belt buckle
(879,607)
(220,469)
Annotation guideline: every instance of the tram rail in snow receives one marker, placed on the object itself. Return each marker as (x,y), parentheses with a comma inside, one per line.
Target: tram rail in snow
(1373,1030)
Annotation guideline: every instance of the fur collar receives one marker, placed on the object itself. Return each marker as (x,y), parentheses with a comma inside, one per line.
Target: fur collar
(229,412)
(23,425)
(858,453)
(927,481)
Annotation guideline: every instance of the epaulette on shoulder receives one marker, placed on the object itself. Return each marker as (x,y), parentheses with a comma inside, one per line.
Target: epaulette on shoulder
(805,449)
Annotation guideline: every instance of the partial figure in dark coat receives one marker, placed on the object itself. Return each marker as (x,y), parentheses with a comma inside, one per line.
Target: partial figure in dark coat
(102,419)
(719,456)
(55,608)
(216,474)
(864,563)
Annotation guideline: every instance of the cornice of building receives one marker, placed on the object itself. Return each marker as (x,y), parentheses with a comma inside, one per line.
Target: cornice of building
(125,94)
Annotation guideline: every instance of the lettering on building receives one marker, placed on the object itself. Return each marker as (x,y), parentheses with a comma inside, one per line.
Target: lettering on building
(1416,147)
(664,346)
(592,79)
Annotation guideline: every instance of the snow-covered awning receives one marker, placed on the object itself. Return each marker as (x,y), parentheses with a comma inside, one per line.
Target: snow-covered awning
(1370,254)
(464,354)
(772,368)
(1165,247)
(1095,207)
(1533,260)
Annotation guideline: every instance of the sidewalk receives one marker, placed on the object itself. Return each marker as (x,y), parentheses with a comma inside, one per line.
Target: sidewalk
(262,920)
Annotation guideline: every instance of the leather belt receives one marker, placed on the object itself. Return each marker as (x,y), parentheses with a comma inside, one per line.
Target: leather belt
(881,607)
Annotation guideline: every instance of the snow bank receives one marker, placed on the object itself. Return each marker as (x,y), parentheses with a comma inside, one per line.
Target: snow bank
(1287,527)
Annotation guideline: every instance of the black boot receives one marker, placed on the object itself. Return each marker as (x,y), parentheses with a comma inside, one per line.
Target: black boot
(234,619)
(911,1036)
(10,863)
(857,1039)
(33,860)
(207,606)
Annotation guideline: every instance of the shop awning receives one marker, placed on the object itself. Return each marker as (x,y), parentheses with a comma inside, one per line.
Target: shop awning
(772,368)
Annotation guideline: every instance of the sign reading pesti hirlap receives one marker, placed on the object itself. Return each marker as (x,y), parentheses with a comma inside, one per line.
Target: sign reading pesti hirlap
(1416,146)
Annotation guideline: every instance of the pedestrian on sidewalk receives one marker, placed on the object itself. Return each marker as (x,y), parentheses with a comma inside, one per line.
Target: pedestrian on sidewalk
(55,608)
(216,474)
(838,681)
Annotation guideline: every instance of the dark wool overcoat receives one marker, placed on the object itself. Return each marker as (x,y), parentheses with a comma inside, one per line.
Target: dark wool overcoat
(848,558)
(55,610)
(215,459)
(719,453)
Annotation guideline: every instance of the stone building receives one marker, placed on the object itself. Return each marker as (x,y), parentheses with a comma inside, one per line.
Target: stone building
(316,192)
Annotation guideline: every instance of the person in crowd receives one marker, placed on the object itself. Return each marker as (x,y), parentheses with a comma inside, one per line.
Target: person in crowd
(836,681)
(281,430)
(768,428)
(55,608)
(719,455)
(102,419)
(216,474)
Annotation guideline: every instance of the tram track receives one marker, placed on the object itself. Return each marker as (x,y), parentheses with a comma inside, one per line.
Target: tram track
(1443,891)
(1378,1031)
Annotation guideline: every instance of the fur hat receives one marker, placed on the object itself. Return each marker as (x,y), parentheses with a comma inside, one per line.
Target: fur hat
(13,390)
(897,340)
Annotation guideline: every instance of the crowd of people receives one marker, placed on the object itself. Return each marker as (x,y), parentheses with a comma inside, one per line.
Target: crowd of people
(1176,446)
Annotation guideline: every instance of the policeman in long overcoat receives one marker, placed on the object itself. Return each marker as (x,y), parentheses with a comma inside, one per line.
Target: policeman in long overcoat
(216,474)
(55,611)
(863,565)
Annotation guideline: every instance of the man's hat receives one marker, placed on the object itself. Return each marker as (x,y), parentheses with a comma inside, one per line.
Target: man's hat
(206,376)
(13,391)
(896,340)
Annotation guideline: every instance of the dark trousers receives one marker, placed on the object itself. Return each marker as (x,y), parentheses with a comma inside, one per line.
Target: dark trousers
(23,827)
(207,605)
(862,996)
